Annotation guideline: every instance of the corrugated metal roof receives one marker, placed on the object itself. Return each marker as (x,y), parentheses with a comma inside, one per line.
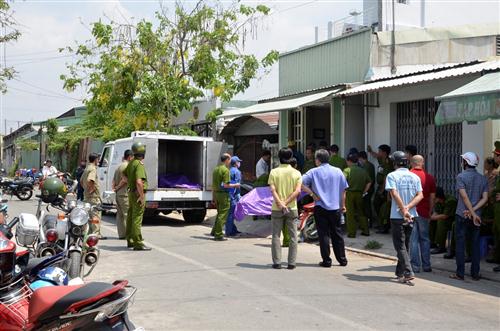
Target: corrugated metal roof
(379,73)
(273,106)
(421,78)
(485,84)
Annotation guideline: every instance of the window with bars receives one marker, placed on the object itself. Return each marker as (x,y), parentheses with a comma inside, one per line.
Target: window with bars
(297,133)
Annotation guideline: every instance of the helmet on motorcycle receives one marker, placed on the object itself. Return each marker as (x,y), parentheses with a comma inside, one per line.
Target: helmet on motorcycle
(54,274)
(138,148)
(53,188)
(40,283)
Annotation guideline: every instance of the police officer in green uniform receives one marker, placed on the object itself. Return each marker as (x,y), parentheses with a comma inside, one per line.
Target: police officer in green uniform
(335,159)
(121,195)
(309,162)
(370,169)
(359,184)
(91,193)
(220,184)
(137,181)
(444,217)
(382,202)
(496,209)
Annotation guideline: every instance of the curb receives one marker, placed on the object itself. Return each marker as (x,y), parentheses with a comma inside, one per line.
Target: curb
(393,258)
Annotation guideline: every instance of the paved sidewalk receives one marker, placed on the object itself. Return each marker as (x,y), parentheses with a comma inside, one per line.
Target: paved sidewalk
(262,228)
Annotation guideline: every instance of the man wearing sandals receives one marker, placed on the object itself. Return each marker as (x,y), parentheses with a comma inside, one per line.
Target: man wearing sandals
(472,189)
(405,189)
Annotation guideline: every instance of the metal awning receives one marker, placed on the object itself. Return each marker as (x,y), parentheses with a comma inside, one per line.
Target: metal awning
(271,106)
(478,100)
(422,78)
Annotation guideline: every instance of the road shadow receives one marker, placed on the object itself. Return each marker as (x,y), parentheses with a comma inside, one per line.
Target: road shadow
(254,266)
(121,248)
(386,268)
(363,278)
(207,237)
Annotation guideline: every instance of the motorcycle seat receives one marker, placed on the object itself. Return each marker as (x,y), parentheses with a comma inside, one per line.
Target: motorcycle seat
(48,303)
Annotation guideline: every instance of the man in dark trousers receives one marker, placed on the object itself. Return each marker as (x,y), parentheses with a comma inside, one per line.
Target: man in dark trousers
(326,184)
(406,192)
(472,190)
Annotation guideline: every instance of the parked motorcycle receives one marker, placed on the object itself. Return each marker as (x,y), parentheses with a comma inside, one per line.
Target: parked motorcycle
(21,188)
(307,223)
(91,306)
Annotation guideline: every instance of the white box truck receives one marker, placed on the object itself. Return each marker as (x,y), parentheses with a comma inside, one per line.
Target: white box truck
(187,157)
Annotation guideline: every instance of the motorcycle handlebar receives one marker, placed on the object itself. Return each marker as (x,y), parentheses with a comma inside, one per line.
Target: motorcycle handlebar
(13,222)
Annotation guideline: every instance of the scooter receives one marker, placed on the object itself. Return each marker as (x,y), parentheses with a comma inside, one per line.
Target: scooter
(307,224)
(91,306)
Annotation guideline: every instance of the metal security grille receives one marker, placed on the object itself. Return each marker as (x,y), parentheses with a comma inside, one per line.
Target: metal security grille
(441,146)
(297,127)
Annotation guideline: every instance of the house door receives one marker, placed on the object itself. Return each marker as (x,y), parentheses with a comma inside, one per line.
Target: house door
(298,128)
(440,146)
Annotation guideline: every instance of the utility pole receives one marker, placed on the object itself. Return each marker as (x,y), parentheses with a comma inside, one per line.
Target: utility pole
(393,41)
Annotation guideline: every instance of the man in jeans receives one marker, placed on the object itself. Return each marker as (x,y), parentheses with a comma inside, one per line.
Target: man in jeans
(285,183)
(420,243)
(472,190)
(406,192)
(326,185)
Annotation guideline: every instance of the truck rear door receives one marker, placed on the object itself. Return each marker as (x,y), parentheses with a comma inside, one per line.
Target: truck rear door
(213,152)
(103,171)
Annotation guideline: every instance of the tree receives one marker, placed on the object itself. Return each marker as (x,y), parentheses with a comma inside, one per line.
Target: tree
(139,76)
(10,33)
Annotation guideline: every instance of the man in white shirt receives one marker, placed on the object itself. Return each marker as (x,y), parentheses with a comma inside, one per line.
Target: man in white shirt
(262,167)
(48,169)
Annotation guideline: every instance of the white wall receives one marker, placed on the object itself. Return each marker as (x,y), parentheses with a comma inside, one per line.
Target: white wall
(473,140)
(382,121)
(187,115)
(431,13)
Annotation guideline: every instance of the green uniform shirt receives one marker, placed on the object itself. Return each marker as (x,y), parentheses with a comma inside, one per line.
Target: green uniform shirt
(308,165)
(90,174)
(285,179)
(448,207)
(135,170)
(220,176)
(497,186)
(370,169)
(384,168)
(338,162)
(357,178)
(117,178)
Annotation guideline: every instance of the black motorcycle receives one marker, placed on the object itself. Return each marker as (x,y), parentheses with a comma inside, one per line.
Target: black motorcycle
(21,188)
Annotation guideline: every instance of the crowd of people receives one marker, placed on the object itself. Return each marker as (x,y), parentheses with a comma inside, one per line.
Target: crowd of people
(398,197)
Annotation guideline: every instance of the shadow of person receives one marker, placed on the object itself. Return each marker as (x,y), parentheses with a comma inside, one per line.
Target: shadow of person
(121,248)
(210,238)
(254,266)
(363,278)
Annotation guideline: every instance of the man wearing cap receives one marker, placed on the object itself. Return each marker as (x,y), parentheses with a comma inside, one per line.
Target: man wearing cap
(234,196)
(406,192)
(220,187)
(472,190)
(48,169)
(359,184)
(335,159)
(496,222)
(119,186)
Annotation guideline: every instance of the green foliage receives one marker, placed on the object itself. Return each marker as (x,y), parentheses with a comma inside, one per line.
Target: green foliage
(140,76)
(13,169)
(52,128)
(9,34)
(373,244)
(27,144)
(212,115)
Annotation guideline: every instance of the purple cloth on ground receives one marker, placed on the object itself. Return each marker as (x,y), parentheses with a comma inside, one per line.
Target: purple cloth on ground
(176,181)
(257,202)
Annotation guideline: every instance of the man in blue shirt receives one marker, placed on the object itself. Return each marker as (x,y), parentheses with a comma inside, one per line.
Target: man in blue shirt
(327,185)
(234,196)
(405,189)
(472,188)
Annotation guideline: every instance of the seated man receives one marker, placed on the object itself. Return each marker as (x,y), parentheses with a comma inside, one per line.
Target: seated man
(443,216)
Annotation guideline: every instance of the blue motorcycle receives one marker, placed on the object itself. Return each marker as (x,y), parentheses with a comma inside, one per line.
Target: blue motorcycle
(21,188)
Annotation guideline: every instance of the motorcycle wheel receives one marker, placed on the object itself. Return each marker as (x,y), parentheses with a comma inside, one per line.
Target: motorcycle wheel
(75,264)
(310,232)
(24,193)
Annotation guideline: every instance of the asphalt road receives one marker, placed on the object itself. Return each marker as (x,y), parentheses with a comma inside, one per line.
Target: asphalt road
(189,282)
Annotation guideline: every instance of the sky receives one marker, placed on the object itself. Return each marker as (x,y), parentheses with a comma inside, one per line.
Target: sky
(46,26)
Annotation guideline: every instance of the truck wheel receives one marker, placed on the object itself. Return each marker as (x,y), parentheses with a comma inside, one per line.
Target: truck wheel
(194,215)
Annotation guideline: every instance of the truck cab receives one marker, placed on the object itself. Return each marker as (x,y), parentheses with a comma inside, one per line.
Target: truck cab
(179,171)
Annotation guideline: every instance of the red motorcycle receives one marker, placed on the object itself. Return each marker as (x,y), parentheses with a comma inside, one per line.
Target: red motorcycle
(91,306)
(307,224)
